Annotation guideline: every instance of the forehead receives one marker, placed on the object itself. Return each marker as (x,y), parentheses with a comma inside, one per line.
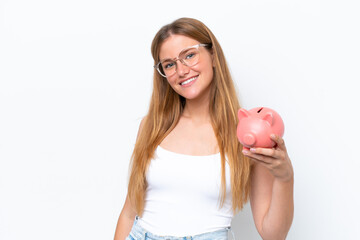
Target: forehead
(173,45)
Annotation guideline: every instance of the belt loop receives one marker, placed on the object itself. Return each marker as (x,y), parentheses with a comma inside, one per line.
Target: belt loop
(232,233)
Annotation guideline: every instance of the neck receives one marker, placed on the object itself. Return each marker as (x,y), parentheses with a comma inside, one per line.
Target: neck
(197,109)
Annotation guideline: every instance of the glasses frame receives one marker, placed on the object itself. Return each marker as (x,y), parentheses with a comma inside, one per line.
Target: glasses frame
(157,66)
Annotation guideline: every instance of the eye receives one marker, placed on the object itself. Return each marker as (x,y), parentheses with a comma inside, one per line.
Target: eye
(169,65)
(190,55)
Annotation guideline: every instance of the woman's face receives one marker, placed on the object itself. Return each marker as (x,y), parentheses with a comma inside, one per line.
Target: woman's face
(190,82)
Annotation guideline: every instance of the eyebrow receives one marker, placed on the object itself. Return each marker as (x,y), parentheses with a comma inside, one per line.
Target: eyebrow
(167,59)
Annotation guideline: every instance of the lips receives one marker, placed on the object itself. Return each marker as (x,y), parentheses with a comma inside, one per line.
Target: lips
(188,80)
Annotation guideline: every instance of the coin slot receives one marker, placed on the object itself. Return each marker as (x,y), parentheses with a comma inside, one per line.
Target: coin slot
(259,110)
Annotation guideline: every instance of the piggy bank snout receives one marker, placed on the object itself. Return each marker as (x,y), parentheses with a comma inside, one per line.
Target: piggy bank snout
(249,139)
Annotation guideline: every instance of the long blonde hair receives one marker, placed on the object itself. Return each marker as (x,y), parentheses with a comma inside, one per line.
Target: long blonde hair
(166,107)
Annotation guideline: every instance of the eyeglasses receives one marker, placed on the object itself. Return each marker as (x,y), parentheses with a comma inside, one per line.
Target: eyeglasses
(188,56)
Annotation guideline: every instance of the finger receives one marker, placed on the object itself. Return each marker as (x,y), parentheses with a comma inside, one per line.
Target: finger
(271,152)
(256,160)
(259,157)
(279,141)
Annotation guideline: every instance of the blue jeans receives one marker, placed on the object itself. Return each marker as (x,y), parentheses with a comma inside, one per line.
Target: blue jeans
(138,233)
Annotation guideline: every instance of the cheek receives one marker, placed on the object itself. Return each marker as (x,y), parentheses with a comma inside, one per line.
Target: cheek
(208,71)
(171,81)
(205,67)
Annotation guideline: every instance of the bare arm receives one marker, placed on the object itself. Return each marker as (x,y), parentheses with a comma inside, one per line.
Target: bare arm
(272,204)
(125,222)
(271,196)
(128,213)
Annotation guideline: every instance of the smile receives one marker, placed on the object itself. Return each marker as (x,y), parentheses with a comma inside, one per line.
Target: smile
(188,81)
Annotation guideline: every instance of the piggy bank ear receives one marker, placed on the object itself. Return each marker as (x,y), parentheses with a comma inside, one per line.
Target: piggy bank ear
(242,113)
(269,118)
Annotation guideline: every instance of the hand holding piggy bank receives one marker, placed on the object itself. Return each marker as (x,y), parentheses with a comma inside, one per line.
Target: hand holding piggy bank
(256,125)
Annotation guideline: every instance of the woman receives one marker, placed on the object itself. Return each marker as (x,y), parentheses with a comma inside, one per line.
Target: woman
(189,175)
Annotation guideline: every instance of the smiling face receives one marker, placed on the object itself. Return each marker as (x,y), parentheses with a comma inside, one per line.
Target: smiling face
(189,82)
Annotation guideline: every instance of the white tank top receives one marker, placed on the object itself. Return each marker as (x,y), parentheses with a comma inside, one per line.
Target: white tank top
(182,197)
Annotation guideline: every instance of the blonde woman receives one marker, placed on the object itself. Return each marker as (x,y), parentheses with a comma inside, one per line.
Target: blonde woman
(189,175)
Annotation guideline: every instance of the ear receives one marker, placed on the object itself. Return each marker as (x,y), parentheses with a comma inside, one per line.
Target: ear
(269,118)
(242,113)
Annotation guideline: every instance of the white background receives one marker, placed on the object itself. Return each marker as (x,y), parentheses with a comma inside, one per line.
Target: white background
(76,78)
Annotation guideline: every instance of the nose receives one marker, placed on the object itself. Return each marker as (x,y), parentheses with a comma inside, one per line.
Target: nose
(182,69)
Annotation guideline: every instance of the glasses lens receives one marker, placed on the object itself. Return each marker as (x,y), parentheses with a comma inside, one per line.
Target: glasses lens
(190,56)
(167,67)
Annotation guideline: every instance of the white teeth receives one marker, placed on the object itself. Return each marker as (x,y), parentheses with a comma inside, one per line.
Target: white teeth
(187,81)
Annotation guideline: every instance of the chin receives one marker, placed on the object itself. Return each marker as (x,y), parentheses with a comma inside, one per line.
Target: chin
(190,96)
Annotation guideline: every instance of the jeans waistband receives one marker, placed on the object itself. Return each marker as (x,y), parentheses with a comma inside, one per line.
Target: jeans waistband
(137,232)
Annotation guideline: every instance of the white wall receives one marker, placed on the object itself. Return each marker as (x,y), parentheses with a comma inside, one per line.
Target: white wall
(75,79)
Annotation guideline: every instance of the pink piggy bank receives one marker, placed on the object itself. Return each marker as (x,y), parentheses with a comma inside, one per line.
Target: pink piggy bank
(256,125)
